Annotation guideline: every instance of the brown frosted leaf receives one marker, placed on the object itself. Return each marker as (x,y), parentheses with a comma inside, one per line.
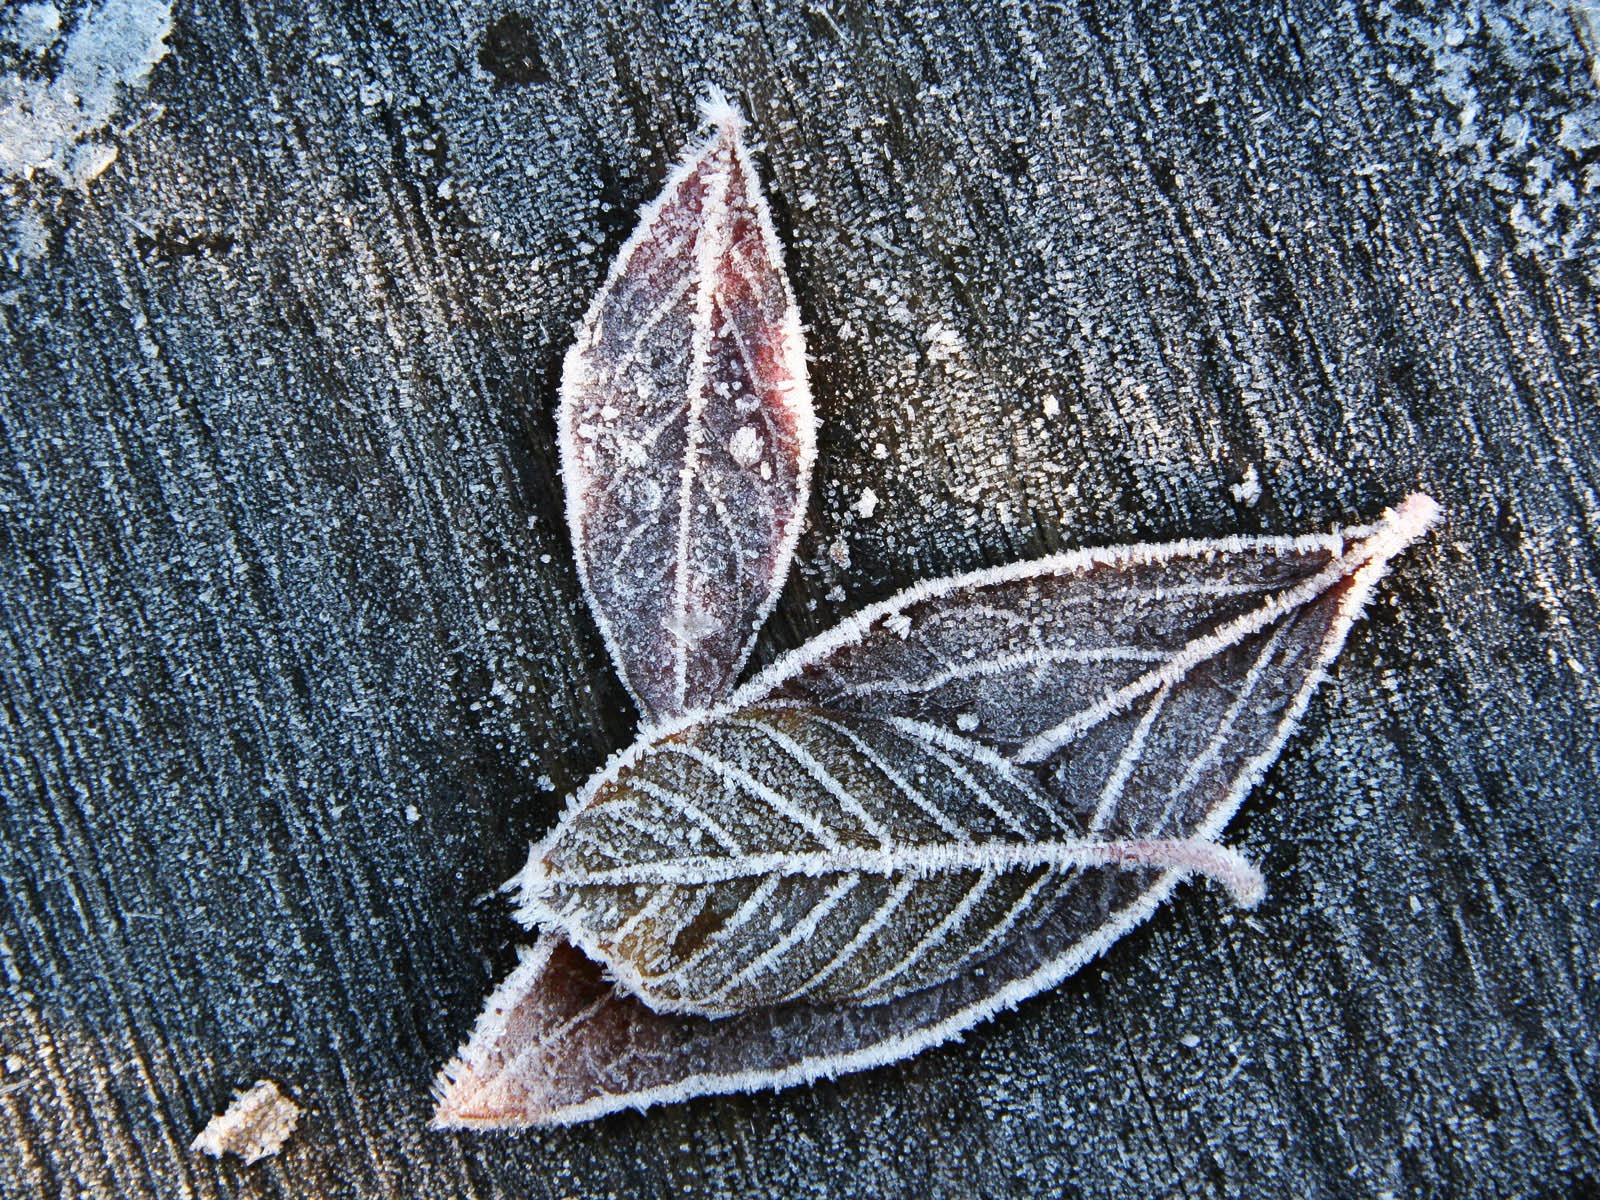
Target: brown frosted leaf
(687,433)
(1137,693)
(768,855)
(1028,657)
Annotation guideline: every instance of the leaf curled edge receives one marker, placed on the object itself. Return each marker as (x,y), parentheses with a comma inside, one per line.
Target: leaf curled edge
(561,1044)
(687,432)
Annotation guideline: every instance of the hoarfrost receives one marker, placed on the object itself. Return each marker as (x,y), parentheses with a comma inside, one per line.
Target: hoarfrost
(30,239)
(46,125)
(1529,141)
(1248,490)
(35,27)
(745,446)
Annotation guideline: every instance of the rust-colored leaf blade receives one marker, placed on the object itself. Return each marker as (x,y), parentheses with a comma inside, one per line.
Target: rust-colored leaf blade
(553,1035)
(687,433)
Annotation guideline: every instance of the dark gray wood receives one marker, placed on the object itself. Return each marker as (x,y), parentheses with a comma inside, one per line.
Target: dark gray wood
(293,663)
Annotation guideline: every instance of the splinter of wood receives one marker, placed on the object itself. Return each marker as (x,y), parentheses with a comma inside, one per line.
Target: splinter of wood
(255,1126)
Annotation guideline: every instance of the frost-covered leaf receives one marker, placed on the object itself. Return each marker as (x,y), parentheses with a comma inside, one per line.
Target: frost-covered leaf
(1157,750)
(775,854)
(1028,658)
(687,433)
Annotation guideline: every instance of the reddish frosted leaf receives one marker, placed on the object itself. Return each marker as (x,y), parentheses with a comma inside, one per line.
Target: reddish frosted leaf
(687,433)
(1039,659)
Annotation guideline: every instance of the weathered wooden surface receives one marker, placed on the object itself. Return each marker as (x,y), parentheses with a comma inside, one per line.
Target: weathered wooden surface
(294,662)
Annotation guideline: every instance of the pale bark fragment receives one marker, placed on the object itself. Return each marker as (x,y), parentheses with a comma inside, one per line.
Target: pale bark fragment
(255,1126)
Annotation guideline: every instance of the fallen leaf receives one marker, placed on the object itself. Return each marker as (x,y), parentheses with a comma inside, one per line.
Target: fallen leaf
(687,433)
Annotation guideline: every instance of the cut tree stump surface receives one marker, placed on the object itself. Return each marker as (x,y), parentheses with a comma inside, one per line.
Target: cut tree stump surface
(294,664)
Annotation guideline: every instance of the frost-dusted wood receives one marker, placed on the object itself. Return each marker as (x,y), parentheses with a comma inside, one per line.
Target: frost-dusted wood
(278,461)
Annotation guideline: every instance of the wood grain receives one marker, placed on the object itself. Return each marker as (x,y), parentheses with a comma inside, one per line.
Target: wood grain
(293,662)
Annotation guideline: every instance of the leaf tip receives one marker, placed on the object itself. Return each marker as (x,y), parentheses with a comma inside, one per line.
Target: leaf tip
(718,110)
(1414,516)
(449,1088)
(1250,889)
(1398,529)
(466,1099)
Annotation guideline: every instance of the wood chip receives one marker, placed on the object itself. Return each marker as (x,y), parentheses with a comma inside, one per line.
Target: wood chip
(256,1125)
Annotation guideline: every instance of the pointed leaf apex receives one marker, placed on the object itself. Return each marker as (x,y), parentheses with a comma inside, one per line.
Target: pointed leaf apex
(718,110)
(1413,517)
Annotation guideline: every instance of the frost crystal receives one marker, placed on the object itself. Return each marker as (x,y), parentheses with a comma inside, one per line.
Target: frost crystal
(43,124)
